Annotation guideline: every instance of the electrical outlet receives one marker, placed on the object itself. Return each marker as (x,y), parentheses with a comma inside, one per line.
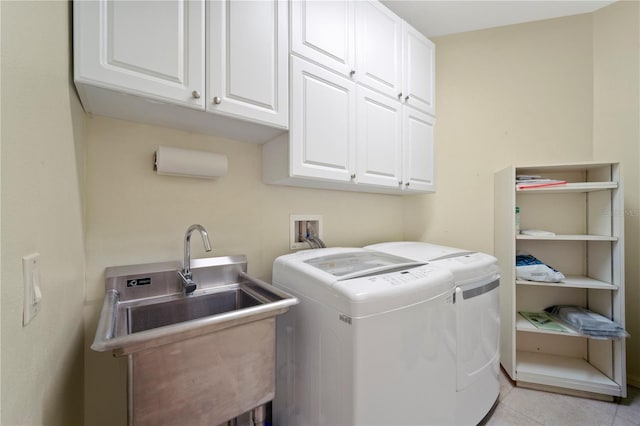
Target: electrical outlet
(32,293)
(304,226)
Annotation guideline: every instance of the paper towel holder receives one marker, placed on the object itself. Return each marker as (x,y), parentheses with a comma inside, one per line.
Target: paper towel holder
(174,161)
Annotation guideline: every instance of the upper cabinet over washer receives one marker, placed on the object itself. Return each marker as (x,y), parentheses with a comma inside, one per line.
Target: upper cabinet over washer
(323,31)
(362,110)
(183,60)
(379,48)
(419,70)
(365,41)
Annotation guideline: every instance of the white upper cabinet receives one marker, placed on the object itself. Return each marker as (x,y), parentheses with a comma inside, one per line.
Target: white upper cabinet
(247,72)
(153,48)
(322,134)
(225,60)
(368,43)
(378,48)
(323,31)
(418,154)
(379,139)
(419,71)
(361,102)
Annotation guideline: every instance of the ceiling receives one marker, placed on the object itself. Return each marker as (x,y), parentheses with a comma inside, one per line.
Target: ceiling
(435,18)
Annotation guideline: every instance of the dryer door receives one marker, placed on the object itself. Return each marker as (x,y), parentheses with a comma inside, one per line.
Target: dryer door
(478,322)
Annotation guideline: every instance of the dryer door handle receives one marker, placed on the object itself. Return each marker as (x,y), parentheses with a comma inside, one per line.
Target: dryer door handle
(480,290)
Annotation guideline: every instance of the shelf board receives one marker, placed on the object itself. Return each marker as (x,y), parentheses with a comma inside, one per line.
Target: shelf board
(573,281)
(567,237)
(564,372)
(533,169)
(570,187)
(522,324)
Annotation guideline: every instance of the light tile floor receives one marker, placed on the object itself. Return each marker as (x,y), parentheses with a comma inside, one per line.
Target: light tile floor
(520,406)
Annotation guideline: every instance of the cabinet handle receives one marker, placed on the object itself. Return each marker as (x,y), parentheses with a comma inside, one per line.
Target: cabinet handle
(399,183)
(400,95)
(217,100)
(353,176)
(407,184)
(195,94)
(406,98)
(352,73)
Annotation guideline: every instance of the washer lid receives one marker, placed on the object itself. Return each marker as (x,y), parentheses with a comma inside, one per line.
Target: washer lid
(418,250)
(358,282)
(379,293)
(355,264)
(466,266)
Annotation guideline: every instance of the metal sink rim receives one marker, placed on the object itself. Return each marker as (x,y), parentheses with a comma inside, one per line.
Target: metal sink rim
(108,338)
(131,310)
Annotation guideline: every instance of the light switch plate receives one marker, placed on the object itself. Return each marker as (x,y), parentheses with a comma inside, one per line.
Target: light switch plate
(32,293)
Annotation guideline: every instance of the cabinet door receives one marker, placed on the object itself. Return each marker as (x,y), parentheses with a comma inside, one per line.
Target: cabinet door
(322,133)
(323,31)
(247,76)
(379,139)
(419,71)
(378,48)
(153,49)
(418,151)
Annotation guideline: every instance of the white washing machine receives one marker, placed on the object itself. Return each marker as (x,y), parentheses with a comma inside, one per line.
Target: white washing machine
(372,341)
(477,280)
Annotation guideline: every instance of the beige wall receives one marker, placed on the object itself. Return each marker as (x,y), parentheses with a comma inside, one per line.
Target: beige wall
(560,90)
(0,215)
(616,135)
(42,166)
(520,94)
(136,216)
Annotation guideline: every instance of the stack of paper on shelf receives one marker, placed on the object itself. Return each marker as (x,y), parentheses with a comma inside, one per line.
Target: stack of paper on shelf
(543,321)
(535,181)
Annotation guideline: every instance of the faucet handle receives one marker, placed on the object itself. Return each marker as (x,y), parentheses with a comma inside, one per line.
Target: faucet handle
(189,287)
(188,284)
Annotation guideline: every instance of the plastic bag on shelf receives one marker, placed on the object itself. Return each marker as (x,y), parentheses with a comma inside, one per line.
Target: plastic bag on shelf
(588,322)
(532,269)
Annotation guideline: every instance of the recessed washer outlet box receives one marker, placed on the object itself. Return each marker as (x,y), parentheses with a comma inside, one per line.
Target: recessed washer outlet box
(303,228)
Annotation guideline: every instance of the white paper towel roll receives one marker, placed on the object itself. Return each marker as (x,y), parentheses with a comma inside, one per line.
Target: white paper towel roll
(184,162)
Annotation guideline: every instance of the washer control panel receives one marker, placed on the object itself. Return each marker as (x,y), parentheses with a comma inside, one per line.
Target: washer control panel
(403,277)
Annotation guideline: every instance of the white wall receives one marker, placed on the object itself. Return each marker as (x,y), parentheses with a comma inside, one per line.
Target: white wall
(616,135)
(136,216)
(42,187)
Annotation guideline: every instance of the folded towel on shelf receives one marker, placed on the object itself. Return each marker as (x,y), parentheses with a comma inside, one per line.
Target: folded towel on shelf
(532,269)
(587,322)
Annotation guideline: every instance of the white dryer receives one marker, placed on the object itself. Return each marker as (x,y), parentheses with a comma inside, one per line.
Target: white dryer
(477,280)
(371,343)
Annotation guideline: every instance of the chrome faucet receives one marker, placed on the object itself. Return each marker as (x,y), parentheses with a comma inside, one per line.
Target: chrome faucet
(187,280)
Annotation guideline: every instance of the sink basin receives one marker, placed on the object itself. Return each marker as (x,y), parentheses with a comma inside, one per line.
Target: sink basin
(202,358)
(144,305)
(183,309)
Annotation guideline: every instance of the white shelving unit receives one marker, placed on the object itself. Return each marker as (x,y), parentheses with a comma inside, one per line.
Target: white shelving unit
(587,217)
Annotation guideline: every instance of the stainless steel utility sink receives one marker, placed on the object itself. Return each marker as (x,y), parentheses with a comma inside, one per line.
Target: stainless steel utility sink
(203,358)
(181,309)
(145,306)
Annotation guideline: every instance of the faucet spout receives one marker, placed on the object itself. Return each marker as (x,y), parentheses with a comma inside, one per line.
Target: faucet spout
(185,274)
